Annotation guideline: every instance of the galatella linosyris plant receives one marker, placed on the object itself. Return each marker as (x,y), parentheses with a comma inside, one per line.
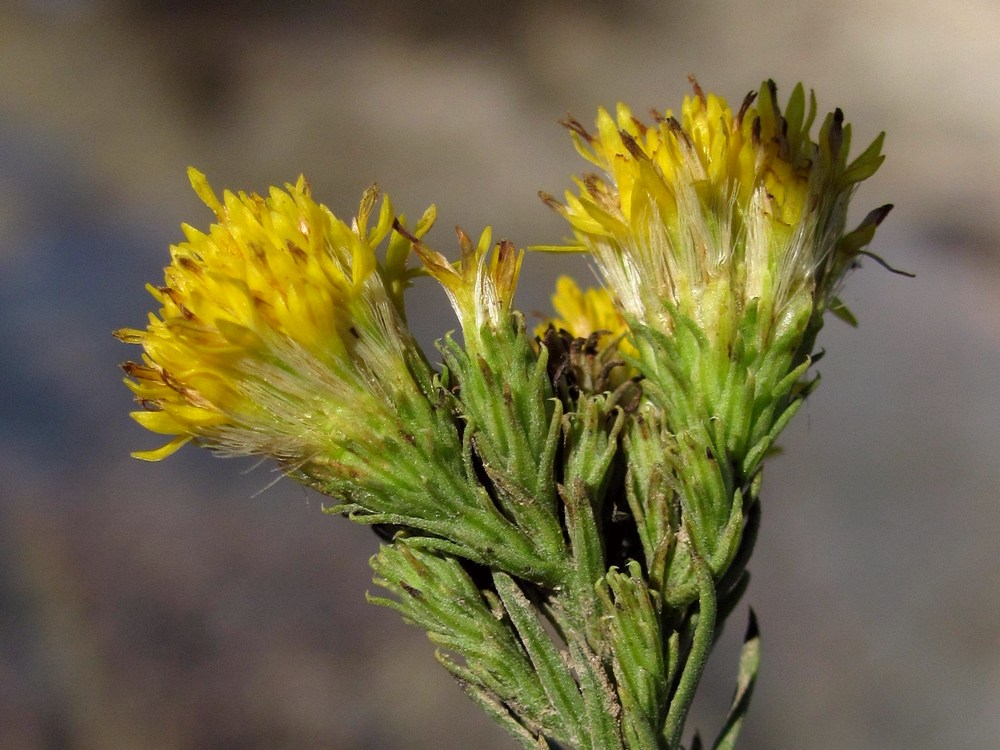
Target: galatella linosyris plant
(569,510)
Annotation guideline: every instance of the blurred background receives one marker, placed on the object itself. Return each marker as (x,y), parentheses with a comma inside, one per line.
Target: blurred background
(195,603)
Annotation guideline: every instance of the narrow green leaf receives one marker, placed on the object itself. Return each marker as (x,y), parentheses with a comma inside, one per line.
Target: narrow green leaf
(865,165)
(795,112)
(840,311)
(585,540)
(749,664)
(694,666)
(496,710)
(852,242)
(555,678)
(811,114)
(601,706)
(633,627)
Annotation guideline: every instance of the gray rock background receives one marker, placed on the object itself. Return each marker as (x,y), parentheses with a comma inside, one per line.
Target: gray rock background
(191,604)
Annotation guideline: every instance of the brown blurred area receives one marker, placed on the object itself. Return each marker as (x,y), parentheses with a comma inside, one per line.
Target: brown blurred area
(199,603)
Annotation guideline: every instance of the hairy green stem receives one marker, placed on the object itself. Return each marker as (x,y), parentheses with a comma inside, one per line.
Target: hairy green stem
(701,646)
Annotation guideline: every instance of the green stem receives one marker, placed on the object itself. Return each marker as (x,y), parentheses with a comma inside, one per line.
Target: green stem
(694,665)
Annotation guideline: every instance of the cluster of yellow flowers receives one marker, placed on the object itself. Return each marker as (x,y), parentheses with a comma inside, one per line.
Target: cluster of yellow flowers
(280,326)
(601,473)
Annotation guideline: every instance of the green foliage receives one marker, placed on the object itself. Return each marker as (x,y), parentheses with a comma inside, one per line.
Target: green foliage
(638,508)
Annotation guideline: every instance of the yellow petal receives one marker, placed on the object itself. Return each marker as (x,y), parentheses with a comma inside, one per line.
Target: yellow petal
(161,453)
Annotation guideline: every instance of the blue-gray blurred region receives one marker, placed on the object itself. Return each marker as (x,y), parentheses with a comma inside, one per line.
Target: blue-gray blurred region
(200,603)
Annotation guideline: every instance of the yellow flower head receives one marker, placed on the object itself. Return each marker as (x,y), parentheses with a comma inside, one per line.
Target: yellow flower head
(717,208)
(275,327)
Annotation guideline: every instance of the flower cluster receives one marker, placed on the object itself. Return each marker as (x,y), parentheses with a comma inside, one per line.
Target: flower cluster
(570,510)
